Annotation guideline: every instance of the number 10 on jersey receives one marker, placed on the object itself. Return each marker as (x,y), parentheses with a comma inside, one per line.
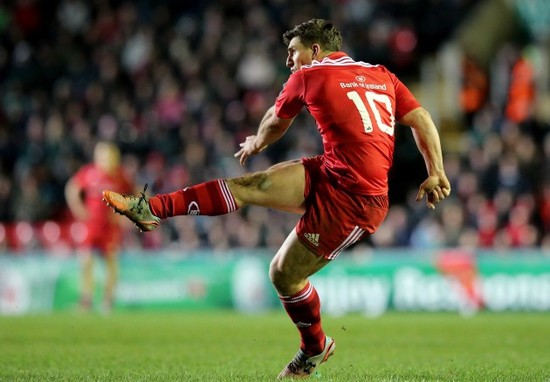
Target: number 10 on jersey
(376,103)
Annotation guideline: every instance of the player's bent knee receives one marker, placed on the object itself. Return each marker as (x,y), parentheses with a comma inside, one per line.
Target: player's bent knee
(279,278)
(284,279)
(275,273)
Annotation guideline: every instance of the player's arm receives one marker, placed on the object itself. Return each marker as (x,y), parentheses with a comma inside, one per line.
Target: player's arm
(73,196)
(436,187)
(271,129)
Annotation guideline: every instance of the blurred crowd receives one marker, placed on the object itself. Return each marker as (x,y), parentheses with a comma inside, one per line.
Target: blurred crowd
(177,85)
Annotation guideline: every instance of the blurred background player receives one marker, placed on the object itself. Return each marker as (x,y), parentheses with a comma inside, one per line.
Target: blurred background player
(103,231)
(342,194)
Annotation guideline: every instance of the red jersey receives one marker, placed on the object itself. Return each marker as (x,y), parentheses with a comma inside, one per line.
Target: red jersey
(93,181)
(355,105)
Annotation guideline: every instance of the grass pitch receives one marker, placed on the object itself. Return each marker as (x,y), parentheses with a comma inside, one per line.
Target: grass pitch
(226,346)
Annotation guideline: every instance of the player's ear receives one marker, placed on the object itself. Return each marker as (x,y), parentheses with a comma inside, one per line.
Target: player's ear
(315,48)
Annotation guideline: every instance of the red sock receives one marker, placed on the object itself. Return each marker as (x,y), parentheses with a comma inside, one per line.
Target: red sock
(209,198)
(304,309)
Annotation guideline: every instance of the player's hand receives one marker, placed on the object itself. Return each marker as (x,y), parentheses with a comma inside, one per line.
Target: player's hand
(435,189)
(248,148)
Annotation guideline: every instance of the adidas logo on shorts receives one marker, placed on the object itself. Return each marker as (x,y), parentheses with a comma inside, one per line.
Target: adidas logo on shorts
(313,238)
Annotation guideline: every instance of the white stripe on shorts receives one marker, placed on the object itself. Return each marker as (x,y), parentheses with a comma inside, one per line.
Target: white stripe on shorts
(355,235)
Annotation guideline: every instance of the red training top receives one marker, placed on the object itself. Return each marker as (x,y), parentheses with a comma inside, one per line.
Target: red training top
(355,105)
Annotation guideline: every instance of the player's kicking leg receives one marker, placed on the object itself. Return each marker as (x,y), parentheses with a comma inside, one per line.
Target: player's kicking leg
(280,187)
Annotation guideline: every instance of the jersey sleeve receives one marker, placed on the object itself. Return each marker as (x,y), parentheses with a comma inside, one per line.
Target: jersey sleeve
(290,100)
(404,99)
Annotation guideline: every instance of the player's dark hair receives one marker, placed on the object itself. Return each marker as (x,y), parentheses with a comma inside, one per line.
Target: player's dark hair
(318,31)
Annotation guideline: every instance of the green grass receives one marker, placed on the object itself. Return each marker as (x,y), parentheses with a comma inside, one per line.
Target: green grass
(225,346)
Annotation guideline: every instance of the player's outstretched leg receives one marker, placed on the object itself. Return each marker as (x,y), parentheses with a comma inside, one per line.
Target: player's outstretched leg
(303,366)
(135,208)
(209,198)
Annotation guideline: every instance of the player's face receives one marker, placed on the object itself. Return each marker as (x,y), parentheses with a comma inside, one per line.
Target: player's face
(298,55)
(107,156)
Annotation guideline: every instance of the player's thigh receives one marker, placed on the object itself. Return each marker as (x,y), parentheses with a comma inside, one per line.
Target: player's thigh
(280,187)
(293,264)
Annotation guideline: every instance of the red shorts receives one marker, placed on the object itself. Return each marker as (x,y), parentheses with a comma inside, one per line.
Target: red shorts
(105,238)
(335,219)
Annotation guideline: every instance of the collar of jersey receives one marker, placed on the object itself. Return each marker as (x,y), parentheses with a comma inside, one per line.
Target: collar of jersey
(331,57)
(335,56)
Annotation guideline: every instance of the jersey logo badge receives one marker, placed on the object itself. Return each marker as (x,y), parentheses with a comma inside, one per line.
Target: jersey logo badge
(360,78)
(313,238)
